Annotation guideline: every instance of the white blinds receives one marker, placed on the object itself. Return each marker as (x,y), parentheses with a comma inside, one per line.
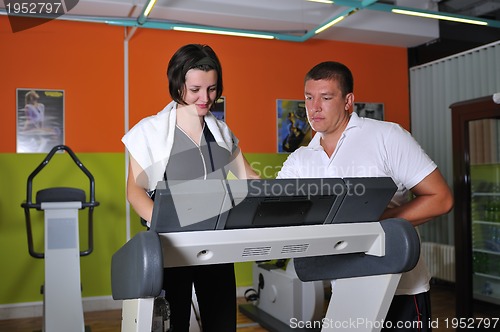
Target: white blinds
(433,88)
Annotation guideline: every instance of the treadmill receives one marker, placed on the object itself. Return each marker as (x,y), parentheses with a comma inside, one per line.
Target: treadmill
(329,227)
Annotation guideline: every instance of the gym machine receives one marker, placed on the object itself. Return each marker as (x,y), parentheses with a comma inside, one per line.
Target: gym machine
(328,226)
(62,298)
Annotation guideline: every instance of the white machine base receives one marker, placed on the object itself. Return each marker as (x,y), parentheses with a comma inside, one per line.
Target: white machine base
(360,304)
(63,308)
(357,304)
(137,315)
(284,296)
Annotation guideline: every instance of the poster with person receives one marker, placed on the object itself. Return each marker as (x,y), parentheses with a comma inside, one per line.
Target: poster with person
(40,120)
(292,126)
(370,110)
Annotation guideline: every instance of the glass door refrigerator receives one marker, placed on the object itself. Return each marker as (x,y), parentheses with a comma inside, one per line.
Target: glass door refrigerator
(476,178)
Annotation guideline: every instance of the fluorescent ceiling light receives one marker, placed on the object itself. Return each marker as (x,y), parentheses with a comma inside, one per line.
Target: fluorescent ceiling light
(149,7)
(326,26)
(438,17)
(222,32)
(322,1)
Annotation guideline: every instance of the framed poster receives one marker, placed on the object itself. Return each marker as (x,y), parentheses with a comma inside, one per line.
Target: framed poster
(219,109)
(370,110)
(293,128)
(39,120)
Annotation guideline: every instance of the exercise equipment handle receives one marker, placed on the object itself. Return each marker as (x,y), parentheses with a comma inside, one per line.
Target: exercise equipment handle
(29,204)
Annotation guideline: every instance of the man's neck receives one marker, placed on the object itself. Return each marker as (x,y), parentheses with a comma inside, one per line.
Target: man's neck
(329,140)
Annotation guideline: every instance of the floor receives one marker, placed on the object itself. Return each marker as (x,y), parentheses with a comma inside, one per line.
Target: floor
(442,301)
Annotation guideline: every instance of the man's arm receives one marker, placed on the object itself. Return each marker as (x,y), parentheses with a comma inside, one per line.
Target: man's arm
(432,199)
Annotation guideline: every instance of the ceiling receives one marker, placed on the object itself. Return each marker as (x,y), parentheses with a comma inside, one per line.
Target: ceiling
(371,24)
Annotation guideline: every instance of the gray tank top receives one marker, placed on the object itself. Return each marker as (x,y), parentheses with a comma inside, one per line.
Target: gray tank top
(189,161)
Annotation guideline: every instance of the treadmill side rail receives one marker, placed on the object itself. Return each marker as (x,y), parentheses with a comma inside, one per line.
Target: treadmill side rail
(254,244)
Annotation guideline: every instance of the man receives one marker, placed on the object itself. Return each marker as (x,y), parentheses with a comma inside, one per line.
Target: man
(346,145)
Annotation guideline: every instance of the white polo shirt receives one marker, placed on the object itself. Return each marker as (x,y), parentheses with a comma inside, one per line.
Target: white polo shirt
(370,148)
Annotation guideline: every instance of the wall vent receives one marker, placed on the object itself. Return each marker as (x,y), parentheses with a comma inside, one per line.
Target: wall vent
(256,251)
(294,248)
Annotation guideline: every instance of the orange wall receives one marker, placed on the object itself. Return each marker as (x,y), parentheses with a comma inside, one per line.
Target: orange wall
(86,60)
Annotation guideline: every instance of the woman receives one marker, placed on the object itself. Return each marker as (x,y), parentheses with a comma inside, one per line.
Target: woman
(35,111)
(183,142)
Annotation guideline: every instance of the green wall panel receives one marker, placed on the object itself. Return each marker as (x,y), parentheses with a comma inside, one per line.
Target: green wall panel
(23,275)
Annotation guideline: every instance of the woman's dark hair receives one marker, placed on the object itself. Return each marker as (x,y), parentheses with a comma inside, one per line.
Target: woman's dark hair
(188,57)
(331,70)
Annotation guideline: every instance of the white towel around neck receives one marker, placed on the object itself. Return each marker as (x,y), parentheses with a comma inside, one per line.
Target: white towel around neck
(150,141)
